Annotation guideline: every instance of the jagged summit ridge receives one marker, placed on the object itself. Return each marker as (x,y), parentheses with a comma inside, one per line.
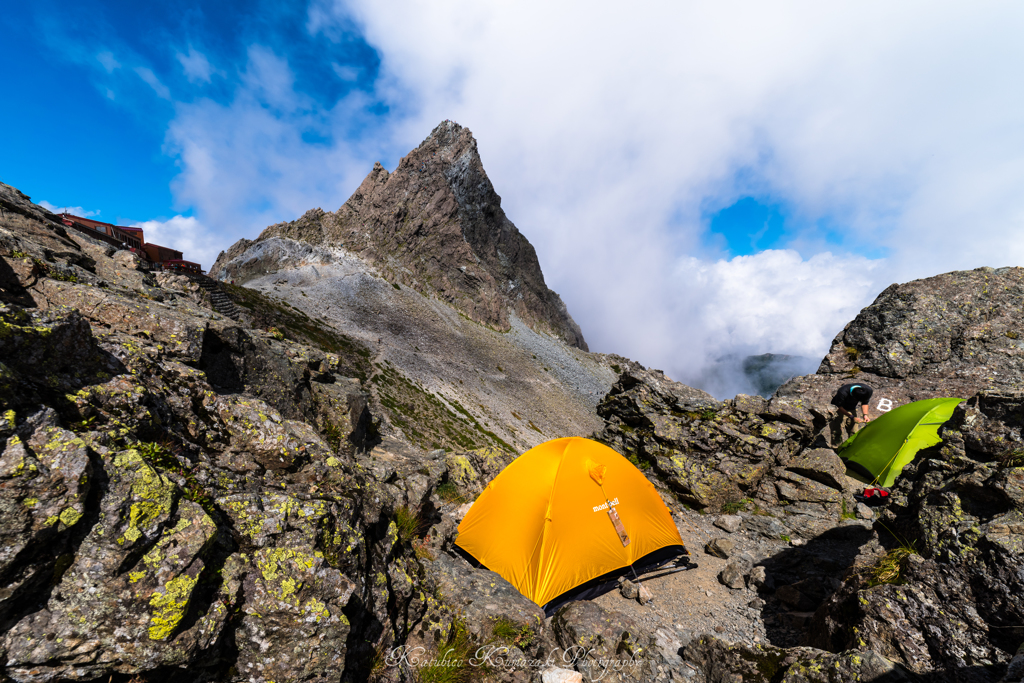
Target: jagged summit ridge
(435,224)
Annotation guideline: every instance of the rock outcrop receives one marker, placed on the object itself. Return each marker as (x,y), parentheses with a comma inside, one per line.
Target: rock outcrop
(949,335)
(719,453)
(183,497)
(435,224)
(927,588)
(957,609)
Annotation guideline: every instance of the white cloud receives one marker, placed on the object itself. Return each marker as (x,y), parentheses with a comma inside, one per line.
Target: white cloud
(147,75)
(195,241)
(269,78)
(608,133)
(107,61)
(245,164)
(195,65)
(771,302)
(73,210)
(345,73)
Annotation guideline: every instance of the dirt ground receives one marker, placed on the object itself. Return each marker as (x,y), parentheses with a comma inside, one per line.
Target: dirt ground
(692,602)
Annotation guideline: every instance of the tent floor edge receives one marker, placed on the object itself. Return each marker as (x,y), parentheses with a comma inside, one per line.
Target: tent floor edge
(608,581)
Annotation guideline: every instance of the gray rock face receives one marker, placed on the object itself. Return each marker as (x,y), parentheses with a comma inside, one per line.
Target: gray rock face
(605,645)
(746,452)
(185,498)
(949,335)
(961,505)
(723,663)
(435,225)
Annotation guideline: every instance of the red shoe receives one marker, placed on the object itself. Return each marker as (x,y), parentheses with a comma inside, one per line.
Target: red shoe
(873,496)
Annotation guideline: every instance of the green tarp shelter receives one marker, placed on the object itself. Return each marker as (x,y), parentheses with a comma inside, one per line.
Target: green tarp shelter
(878,453)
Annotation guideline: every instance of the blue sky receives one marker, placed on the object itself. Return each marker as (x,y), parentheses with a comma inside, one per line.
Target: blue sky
(99,84)
(698,179)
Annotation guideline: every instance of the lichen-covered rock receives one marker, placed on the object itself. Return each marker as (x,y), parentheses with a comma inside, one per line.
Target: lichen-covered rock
(471,471)
(258,431)
(481,598)
(711,454)
(122,605)
(949,335)
(293,628)
(609,646)
(45,355)
(959,505)
(720,662)
(44,483)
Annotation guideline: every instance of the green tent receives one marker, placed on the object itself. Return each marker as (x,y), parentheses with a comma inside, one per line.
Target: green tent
(878,453)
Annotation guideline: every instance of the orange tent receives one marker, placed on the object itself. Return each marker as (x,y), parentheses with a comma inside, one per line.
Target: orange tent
(563,513)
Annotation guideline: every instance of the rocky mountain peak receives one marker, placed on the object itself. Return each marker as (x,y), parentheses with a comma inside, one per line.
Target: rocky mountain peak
(436,225)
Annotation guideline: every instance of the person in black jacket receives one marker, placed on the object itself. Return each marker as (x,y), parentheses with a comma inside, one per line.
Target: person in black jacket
(847,398)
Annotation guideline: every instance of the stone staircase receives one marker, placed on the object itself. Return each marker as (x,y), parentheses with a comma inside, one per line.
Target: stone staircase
(221,302)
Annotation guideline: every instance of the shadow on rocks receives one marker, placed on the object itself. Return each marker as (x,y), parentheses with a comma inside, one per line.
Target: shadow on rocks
(799,579)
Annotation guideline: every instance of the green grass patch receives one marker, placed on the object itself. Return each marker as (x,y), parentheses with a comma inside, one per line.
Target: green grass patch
(449,493)
(735,506)
(1011,458)
(409,523)
(428,421)
(846,513)
(510,633)
(890,567)
(641,464)
(451,663)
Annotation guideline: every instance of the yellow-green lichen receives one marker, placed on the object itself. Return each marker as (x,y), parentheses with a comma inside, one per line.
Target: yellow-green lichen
(70,516)
(154,493)
(170,606)
(316,609)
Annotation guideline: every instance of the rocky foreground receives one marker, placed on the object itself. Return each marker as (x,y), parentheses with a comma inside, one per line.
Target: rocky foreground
(190,497)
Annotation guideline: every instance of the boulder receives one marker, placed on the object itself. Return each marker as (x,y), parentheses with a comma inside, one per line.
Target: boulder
(604,645)
(732,576)
(480,597)
(730,523)
(822,465)
(720,547)
(721,663)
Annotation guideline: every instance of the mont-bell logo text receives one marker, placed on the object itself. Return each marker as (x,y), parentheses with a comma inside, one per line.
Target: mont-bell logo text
(604,506)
